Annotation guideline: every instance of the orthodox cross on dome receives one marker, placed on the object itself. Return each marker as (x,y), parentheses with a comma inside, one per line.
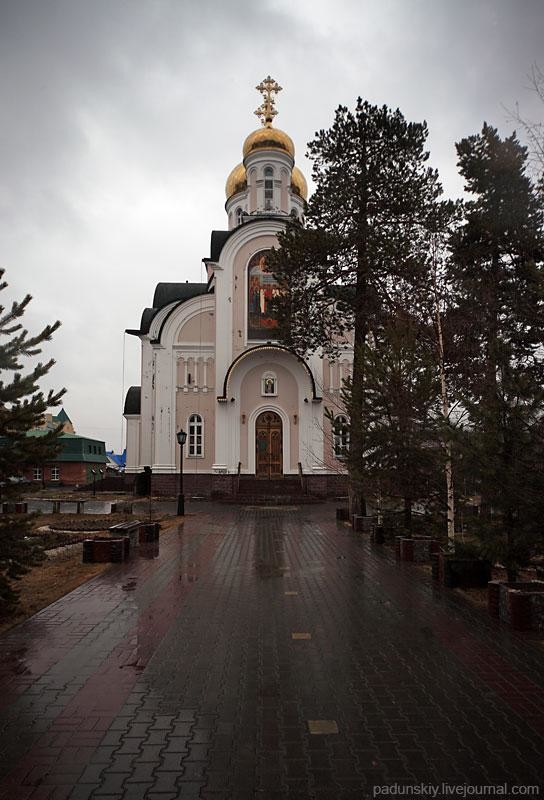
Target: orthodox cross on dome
(266,112)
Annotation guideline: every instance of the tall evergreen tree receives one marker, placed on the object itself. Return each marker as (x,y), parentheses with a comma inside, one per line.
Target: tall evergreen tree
(497,271)
(400,412)
(22,406)
(365,224)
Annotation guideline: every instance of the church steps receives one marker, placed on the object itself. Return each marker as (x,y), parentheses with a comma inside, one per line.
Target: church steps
(257,486)
(271,500)
(285,490)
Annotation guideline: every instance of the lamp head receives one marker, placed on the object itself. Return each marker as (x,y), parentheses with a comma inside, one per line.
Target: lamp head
(181,436)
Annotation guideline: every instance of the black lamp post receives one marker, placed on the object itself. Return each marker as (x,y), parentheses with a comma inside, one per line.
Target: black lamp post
(181,436)
(94,482)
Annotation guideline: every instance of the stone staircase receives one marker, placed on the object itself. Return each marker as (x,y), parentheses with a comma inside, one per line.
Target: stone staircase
(286,490)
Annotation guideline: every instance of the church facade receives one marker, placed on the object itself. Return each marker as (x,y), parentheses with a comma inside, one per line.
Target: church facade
(211,365)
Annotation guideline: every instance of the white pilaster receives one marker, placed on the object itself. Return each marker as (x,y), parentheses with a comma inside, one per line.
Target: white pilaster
(164,412)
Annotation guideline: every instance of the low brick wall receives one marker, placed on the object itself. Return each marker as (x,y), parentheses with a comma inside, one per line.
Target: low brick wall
(122,544)
(326,485)
(17,507)
(149,550)
(417,549)
(221,485)
(377,535)
(149,532)
(132,535)
(363,524)
(460,572)
(105,551)
(520,605)
(205,485)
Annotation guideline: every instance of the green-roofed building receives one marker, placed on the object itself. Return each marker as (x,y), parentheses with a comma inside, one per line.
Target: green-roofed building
(74,463)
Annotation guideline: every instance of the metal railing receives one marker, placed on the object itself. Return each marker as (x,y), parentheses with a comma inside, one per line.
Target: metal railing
(302,479)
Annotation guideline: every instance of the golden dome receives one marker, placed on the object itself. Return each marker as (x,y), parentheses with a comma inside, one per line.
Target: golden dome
(237,181)
(298,183)
(268,138)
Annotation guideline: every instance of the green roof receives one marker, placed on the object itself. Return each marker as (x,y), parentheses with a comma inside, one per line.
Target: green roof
(76,448)
(62,416)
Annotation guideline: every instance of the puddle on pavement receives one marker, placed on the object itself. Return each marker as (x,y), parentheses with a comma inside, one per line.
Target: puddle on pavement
(70,506)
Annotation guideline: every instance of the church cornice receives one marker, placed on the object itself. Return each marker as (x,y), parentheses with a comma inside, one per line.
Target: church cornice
(268,347)
(219,239)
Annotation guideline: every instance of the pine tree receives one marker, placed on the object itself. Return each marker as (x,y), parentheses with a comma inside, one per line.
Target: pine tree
(497,271)
(400,399)
(362,243)
(22,406)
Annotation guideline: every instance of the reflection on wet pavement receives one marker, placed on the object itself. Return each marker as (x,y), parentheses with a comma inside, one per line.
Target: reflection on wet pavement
(263,653)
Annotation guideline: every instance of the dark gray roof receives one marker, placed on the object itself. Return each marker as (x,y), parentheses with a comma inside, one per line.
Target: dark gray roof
(166,293)
(147,319)
(133,400)
(217,243)
(219,238)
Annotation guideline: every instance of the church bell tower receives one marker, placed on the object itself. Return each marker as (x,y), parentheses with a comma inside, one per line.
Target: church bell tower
(266,182)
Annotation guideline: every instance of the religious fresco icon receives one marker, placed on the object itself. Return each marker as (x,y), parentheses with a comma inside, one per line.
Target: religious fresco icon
(262,289)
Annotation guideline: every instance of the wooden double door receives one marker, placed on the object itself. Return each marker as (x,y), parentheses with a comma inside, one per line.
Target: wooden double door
(268,445)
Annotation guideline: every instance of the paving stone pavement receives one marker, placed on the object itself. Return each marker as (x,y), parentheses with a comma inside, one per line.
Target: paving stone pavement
(177,675)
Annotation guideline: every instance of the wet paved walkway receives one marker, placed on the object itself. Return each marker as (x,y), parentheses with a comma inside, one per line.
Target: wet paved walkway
(178,676)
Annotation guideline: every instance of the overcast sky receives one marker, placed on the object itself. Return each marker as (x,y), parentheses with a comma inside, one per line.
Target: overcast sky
(121,119)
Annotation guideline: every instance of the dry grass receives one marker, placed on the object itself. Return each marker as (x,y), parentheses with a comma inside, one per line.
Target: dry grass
(56,577)
(49,581)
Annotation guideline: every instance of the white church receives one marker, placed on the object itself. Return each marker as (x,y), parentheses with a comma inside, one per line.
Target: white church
(211,365)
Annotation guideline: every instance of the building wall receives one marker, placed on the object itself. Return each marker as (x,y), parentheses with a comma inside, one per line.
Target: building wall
(199,328)
(240,289)
(184,372)
(211,485)
(335,372)
(252,402)
(72,473)
(197,403)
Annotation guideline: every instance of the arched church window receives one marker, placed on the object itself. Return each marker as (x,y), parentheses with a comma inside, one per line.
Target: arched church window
(269,384)
(340,436)
(268,188)
(263,288)
(239,215)
(195,437)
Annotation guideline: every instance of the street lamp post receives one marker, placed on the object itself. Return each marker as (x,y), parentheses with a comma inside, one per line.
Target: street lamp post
(181,436)
(93,471)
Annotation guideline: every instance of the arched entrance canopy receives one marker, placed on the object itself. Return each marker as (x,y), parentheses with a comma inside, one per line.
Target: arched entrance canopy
(268,347)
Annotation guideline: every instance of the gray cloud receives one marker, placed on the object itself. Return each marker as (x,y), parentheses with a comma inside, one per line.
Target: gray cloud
(120,121)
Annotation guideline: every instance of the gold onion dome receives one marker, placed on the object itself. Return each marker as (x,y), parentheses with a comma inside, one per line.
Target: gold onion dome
(237,181)
(298,183)
(268,138)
